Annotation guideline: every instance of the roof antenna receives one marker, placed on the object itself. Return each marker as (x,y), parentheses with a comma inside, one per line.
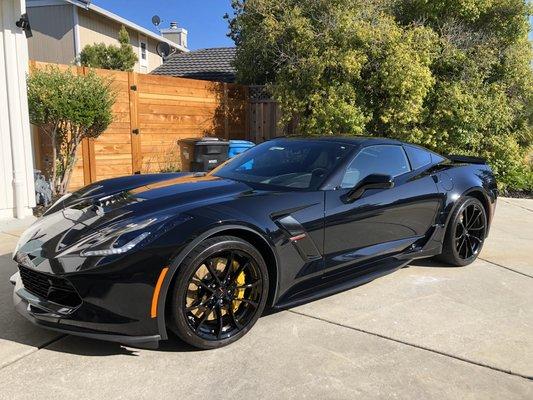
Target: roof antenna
(156,21)
(164,50)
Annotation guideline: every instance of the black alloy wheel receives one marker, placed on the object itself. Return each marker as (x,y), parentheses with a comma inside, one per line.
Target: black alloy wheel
(470,231)
(466,233)
(220,292)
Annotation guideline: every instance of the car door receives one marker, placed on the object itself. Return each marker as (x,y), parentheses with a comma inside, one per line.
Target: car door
(382,221)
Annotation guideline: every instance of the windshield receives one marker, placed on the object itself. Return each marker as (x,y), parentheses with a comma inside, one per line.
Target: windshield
(298,164)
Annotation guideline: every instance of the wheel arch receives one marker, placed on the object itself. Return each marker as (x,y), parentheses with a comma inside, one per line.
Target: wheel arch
(261,244)
(241,231)
(478,193)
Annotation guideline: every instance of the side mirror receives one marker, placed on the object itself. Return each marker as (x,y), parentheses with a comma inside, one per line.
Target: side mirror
(373,181)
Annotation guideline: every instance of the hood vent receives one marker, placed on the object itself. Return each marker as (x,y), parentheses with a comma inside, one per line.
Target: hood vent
(114,201)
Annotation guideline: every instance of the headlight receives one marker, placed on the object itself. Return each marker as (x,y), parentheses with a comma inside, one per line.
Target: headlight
(121,237)
(117,250)
(118,239)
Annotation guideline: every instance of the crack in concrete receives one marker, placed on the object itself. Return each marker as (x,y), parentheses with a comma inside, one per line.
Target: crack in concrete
(417,346)
(36,349)
(516,205)
(9,234)
(504,267)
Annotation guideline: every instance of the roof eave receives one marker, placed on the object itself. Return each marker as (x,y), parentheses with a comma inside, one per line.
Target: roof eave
(92,7)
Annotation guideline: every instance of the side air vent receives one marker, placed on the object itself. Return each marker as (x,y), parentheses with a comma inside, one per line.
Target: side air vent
(298,236)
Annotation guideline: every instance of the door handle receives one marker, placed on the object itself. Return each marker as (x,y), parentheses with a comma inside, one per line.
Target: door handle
(435,178)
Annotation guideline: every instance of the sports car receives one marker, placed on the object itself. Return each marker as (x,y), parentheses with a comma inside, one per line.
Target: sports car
(203,255)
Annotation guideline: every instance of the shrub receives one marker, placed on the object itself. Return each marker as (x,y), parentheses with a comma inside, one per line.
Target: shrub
(68,108)
(452,75)
(99,55)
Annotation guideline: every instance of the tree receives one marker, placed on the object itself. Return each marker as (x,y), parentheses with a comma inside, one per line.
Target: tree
(68,108)
(453,75)
(99,55)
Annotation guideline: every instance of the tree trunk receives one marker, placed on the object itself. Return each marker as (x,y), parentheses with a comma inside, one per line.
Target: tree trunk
(69,166)
(54,163)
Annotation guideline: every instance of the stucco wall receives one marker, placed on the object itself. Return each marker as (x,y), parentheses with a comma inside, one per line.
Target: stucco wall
(95,28)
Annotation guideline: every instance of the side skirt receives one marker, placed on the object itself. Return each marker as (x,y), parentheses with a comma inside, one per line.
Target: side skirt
(327,285)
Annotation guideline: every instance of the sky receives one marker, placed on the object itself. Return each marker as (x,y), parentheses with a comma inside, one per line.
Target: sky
(203,19)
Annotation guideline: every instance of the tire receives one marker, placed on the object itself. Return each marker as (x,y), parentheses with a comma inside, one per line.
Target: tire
(461,245)
(213,304)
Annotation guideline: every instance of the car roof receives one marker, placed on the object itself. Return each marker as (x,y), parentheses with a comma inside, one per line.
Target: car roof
(348,140)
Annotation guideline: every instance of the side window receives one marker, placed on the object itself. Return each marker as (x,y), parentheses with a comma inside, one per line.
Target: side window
(419,157)
(384,159)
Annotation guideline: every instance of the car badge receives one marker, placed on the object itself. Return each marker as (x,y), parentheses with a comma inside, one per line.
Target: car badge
(24,260)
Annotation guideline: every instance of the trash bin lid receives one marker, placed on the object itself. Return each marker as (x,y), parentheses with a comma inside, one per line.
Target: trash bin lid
(206,141)
(238,142)
(203,141)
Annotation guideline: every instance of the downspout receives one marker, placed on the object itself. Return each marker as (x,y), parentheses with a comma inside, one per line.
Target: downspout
(76,33)
(16,129)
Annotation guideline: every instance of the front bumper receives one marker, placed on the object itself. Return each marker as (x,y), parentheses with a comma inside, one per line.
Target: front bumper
(72,320)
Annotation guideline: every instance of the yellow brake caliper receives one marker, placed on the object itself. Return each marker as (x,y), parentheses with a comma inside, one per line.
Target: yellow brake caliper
(239,293)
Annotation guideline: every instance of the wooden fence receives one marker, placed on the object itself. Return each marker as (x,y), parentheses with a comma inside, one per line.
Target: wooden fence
(151,114)
(264,116)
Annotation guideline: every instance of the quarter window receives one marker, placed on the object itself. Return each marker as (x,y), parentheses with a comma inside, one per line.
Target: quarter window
(384,160)
(419,157)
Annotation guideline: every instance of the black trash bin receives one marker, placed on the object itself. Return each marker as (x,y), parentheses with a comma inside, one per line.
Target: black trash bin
(202,154)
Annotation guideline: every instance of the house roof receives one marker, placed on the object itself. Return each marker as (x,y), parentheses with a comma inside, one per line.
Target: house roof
(87,5)
(215,64)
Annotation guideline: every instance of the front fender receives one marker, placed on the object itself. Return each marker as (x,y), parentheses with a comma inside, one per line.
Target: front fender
(178,259)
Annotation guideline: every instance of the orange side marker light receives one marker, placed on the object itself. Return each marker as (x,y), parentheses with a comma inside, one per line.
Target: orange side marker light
(157,289)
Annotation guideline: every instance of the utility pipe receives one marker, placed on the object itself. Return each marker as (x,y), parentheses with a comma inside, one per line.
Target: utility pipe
(11,11)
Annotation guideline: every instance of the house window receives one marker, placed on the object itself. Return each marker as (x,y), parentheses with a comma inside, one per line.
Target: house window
(143,56)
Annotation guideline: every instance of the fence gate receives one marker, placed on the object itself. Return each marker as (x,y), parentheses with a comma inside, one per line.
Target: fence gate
(264,116)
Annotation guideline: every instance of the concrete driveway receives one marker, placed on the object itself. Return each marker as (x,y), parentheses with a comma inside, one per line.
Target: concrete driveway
(426,331)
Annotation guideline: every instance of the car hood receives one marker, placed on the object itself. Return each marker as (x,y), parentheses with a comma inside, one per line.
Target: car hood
(103,205)
(172,194)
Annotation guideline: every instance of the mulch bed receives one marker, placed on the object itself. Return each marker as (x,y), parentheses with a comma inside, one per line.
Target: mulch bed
(528,194)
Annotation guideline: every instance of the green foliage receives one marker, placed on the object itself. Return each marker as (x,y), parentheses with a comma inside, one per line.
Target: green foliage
(68,108)
(452,75)
(99,55)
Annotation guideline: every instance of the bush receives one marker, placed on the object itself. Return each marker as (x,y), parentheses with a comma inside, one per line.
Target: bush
(68,108)
(120,58)
(452,75)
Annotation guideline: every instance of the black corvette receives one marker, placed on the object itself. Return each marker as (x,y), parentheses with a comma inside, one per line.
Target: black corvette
(286,222)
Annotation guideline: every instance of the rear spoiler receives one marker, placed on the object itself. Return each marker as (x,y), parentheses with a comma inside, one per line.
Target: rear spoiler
(467,159)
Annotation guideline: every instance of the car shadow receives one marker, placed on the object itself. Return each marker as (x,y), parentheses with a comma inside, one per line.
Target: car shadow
(428,263)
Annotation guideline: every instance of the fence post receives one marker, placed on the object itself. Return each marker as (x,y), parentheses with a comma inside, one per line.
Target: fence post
(247,111)
(226,112)
(136,159)
(87,148)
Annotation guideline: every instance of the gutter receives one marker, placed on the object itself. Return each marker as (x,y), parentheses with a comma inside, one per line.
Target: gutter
(88,5)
